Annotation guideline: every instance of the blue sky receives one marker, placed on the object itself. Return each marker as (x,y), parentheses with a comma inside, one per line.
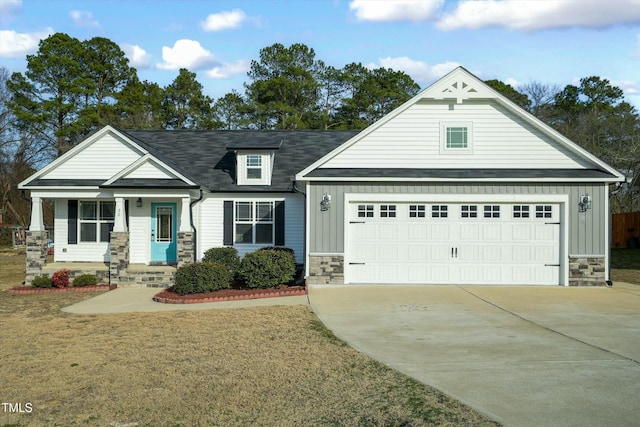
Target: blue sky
(516,41)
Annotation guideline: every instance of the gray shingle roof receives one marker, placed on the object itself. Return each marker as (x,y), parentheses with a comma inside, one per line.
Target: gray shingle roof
(205,156)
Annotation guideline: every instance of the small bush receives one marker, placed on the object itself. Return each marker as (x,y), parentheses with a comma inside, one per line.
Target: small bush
(60,278)
(202,277)
(278,248)
(42,282)
(85,280)
(227,256)
(267,268)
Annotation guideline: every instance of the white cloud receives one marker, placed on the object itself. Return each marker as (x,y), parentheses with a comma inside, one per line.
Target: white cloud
(16,45)
(539,15)
(395,10)
(224,20)
(419,71)
(629,87)
(513,82)
(228,70)
(186,54)
(9,6)
(83,19)
(138,57)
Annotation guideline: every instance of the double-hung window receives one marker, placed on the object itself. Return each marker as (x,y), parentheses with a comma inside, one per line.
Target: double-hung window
(254,222)
(96,220)
(254,166)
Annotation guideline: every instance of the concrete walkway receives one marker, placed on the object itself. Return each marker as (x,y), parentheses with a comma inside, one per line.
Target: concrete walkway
(129,300)
(525,356)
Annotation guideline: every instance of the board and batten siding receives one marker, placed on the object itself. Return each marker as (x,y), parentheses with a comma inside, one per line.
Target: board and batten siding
(586,229)
(79,252)
(100,160)
(211,222)
(500,139)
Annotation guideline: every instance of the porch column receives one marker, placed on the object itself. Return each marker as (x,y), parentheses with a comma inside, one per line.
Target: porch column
(36,242)
(185,235)
(120,221)
(37,223)
(185,219)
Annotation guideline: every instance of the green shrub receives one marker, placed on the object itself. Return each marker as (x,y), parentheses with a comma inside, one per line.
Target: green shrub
(227,256)
(267,268)
(42,282)
(85,280)
(202,277)
(278,248)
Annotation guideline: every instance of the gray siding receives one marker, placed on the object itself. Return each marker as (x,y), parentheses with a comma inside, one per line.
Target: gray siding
(586,229)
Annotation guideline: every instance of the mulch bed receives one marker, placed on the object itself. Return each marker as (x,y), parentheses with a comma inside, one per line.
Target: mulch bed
(21,290)
(169,297)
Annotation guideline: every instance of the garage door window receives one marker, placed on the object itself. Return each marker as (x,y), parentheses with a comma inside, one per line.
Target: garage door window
(543,211)
(365,211)
(417,211)
(469,211)
(387,211)
(439,211)
(521,211)
(491,211)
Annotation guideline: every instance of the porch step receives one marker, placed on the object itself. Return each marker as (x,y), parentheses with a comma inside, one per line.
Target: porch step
(147,276)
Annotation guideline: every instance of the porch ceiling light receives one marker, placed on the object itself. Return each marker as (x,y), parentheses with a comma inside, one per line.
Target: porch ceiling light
(139,202)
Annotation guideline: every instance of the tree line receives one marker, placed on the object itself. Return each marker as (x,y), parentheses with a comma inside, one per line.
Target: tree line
(71,88)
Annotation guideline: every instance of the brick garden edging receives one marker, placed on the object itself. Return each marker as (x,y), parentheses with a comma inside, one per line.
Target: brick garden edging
(193,299)
(22,290)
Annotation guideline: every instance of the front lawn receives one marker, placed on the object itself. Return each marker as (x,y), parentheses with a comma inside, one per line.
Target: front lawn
(254,366)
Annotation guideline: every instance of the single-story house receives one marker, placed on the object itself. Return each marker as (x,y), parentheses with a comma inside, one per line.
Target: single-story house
(458,185)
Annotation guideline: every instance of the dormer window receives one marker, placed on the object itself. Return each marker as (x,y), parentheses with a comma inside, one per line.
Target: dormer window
(254,166)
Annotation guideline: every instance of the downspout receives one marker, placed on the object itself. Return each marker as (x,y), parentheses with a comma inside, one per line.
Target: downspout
(618,189)
(193,227)
(304,215)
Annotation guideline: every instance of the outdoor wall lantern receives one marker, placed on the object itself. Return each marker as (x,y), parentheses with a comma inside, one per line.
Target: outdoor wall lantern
(325,203)
(139,202)
(585,202)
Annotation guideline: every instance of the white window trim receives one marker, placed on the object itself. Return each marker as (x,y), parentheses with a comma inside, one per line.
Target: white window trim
(443,137)
(98,221)
(254,221)
(260,158)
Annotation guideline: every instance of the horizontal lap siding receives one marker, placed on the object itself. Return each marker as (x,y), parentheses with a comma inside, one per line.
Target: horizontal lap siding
(412,140)
(80,252)
(211,222)
(586,229)
(101,160)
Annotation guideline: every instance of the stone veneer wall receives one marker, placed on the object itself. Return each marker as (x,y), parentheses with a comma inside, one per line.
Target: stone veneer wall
(185,248)
(118,256)
(326,269)
(162,277)
(587,272)
(36,254)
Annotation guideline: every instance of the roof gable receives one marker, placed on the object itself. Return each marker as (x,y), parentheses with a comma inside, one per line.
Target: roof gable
(503,135)
(98,157)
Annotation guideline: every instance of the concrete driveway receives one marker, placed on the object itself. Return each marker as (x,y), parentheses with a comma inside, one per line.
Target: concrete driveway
(525,356)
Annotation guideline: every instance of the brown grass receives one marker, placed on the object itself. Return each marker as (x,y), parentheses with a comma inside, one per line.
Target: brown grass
(255,366)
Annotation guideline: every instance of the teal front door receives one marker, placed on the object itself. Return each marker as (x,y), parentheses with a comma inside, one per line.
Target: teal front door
(163,232)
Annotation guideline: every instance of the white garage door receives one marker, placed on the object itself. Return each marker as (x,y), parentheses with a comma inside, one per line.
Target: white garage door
(451,243)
